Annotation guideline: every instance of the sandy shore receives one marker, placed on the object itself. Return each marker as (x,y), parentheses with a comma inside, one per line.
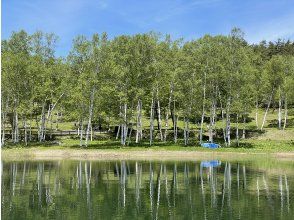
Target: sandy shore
(149,154)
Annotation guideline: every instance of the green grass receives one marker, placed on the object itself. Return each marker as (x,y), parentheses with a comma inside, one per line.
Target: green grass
(270,140)
(249,146)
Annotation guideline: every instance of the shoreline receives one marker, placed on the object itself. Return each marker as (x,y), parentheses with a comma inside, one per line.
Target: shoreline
(122,154)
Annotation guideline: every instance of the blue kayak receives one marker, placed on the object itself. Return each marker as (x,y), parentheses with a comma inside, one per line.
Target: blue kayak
(210,145)
(211,163)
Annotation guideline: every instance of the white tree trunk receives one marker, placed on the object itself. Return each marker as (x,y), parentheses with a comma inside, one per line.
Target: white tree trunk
(46,120)
(108,124)
(201,126)
(214,113)
(91,133)
(167,112)
(126,125)
(228,123)
(203,109)
(3,130)
(57,119)
(25,131)
(185,127)
(139,122)
(16,129)
(256,114)
(286,113)
(42,124)
(211,119)
(13,128)
(244,127)
(176,128)
(51,126)
(118,131)
(49,113)
(186,131)
(237,130)
(266,111)
(30,131)
(151,122)
(175,123)
(159,120)
(124,130)
(280,110)
(3,114)
(228,130)
(223,127)
(90,115)
(166,126)
(81,134)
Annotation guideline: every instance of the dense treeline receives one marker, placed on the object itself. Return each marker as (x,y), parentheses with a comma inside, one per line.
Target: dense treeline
(128,78)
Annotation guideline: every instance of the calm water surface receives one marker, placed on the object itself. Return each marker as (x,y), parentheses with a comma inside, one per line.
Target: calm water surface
(147,190)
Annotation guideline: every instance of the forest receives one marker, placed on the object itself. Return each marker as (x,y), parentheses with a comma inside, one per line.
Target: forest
(144,87)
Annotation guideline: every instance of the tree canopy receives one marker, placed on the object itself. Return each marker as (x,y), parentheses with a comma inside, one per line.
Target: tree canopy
(131,77)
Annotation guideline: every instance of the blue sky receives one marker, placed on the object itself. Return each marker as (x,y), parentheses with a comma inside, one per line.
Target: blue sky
(190,19)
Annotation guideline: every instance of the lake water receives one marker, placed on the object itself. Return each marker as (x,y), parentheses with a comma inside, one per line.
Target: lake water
(258,189)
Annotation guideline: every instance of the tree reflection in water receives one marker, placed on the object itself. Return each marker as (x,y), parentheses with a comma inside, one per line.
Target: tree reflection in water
(136,189)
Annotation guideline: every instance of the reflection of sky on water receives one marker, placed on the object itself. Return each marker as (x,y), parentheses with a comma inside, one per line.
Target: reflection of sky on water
(210,163)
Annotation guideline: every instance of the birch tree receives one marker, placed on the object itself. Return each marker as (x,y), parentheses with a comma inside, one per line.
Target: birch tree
(16,82)
(274,71)
(82,78)
(43,49)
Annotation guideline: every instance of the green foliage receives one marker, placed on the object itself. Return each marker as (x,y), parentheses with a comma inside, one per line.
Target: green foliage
(209,76)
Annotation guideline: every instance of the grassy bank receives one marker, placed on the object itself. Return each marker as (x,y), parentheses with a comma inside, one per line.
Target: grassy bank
(271,141)
(69,149)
